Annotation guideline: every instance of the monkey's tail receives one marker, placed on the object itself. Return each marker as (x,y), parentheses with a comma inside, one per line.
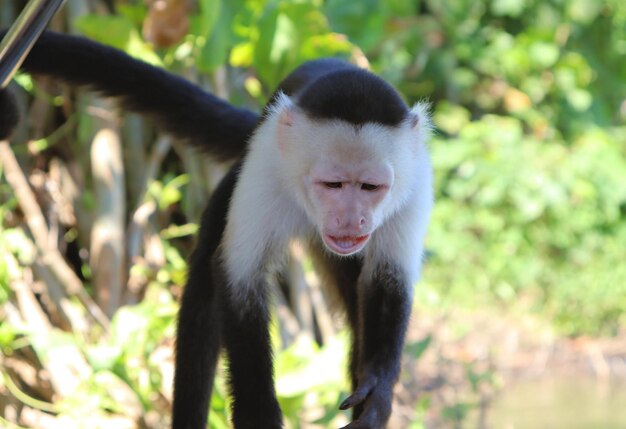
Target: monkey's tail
(176,105)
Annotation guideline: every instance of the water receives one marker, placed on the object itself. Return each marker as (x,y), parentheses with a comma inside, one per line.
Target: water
(563,402)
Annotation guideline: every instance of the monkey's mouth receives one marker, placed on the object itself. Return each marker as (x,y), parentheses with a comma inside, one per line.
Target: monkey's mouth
(347,244)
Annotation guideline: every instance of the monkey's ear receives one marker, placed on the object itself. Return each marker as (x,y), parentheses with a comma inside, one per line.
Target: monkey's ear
(282,109)
(286,113)
(419,121)
(286,117)
(419,116)
(414,119)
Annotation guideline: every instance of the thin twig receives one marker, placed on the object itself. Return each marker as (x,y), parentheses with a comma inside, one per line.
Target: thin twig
(24,398)
(301,300)
(289,326)
(34,316)
(37,226)
(320,309)
(139,226)
(107,252)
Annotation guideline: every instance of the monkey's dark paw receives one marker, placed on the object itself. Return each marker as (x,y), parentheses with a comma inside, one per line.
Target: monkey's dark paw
(8,114)
(360,394)
(374,416)
(372,403)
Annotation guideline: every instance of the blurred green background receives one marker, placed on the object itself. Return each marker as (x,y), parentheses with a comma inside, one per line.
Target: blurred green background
(526,246)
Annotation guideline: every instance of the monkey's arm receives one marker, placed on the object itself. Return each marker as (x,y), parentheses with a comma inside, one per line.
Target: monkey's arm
(384,313)
(176,105)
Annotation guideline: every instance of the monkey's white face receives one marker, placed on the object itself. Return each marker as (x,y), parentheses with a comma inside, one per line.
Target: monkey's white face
(348,179)
(347,199)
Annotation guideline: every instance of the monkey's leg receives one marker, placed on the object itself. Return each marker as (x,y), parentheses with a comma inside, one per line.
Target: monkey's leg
(246,336)
(197,345)
(199,319)
(384,309)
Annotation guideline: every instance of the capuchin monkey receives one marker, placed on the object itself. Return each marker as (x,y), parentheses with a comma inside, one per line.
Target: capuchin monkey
(336,160)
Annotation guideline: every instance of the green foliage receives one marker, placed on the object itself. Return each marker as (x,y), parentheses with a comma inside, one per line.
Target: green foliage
(165,195)
(532,218)
(119,32)
(530,166)
(214,33)
(281,35)
(135,334)
(308,373)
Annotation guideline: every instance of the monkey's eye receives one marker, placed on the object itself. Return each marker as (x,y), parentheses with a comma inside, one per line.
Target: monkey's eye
(333,185)
(369,187)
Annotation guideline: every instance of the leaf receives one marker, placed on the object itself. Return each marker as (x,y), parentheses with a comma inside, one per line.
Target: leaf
(512,8)
(301,368)
(362,20)
(214,52)
(111,30)
(7,333)
(579,99)
(119,32)
(210,13)
(451,118)
(401,7)
(104,356)
(584,11)
(544,54)
(417,348)
(457,412)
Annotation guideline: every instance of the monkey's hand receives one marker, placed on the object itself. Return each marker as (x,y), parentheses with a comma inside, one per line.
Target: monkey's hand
(372,403)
